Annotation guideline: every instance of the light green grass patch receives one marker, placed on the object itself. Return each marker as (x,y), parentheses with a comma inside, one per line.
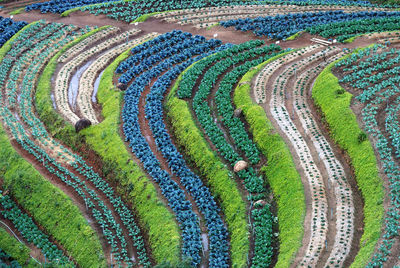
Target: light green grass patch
(344,130)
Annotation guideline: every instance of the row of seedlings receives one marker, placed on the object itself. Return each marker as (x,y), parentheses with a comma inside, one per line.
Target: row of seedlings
(319,212)
(65,96)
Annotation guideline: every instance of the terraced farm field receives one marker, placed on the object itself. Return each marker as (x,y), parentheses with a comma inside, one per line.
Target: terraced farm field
(205,133)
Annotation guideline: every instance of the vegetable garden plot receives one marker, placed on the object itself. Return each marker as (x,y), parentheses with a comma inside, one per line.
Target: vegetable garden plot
(266,73)
(85,44)
(87,81)
(108,211)
(163,65)
(207,72)
(205,17)
(372,74)
(131,10)
(350,29)
(8,28)
(319,213)
(59,6)
(61,91)
(30,231)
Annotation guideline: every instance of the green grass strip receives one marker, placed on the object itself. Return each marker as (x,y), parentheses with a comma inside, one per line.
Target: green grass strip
(17,11)
(105,139)
(145,17)
(212,26)
(69,11)
(10,245)
(344,130)
(351,39)
(294,36)
(220,181)
(8,45)
(280,171)
(49,206)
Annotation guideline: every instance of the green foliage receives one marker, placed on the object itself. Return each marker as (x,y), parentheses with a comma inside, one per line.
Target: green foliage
(212,26)
(106,141)
(7,46)
(17,11)
(14,248)
(31,232)
(294,37)
(361,137)
(69,11)
(144,17)
(223,188)
(345,131)
(340,91)
(281,172)
(182,264)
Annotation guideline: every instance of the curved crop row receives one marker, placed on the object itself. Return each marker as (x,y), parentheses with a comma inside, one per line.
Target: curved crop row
(12,251)
(136,10)
(8,28)
(345,131)
(65,98)
(375,71)
(283,26)
(30,231)
(345,30)
(280,172)
(81,243)
(94,36)
(207,17)
(217,232)
(87,80)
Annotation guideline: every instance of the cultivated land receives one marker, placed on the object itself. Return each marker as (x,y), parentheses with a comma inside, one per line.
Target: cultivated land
(199,134)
